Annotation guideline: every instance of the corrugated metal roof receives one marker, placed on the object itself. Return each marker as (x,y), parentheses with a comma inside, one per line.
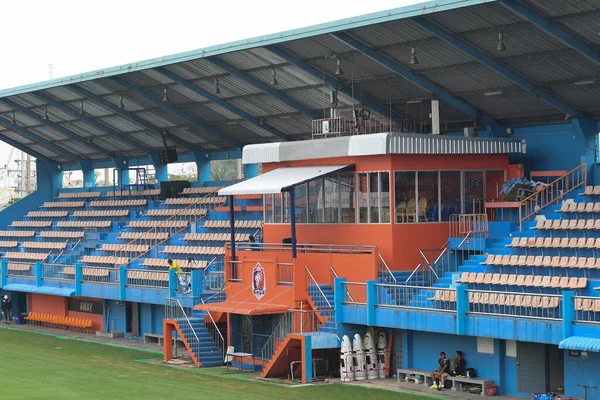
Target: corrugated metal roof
(279,180)
(530,52)
(376,144)
(580,343)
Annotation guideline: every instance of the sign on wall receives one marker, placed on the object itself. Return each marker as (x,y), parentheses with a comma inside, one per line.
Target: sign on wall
(259,281)
(86,306)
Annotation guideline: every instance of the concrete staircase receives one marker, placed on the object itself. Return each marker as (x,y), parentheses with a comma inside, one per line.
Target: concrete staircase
(318,302)
(203,350)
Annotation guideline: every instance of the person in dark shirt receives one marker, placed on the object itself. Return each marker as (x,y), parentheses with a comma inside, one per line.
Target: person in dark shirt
(441,372)
(6,309)
(459,365)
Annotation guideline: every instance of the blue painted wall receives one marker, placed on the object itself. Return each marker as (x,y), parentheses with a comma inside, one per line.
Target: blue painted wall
(582,371)
(117,313)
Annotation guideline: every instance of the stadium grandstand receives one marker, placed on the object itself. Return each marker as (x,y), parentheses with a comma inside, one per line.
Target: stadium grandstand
(428,182)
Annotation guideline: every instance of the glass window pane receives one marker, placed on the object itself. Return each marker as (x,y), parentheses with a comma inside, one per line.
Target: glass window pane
(384,184)
(301,203)
(374,198)
(428,196)
(473,191)
(277,212)
(347,198)
(404,192)
(363,216)
(332,200)
(315,193)
(450,194)
(268,199)
(286,207)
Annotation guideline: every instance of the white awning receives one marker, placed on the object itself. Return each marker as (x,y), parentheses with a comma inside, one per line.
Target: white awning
(279,180)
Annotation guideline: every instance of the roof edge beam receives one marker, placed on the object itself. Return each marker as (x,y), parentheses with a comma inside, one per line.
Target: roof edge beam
(553,30)
(410,76)
(92,122)
(23,148)
(257,83)
(496,66)
(57,127)
(214,131)
(131,116)
(331,81)
(222,103)
(35,137)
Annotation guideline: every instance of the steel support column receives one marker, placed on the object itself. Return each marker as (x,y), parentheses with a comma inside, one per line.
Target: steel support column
(293,220)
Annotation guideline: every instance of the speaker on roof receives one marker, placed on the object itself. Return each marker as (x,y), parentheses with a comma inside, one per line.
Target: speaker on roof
(167,156)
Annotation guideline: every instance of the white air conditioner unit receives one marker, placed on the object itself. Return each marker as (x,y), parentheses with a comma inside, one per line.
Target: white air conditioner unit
(325,127)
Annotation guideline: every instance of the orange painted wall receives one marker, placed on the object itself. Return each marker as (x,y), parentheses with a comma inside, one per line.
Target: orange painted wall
(57,305)
(399,244)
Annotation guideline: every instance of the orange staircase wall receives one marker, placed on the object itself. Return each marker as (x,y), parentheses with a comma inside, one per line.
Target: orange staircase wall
(289,350)
(168,327)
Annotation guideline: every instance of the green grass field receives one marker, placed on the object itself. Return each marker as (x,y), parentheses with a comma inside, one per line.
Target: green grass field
(35,366)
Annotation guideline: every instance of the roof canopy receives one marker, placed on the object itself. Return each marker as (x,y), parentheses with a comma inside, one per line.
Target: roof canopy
(544,68)
(580,343)
(244,307)
(280,180)
(378,143)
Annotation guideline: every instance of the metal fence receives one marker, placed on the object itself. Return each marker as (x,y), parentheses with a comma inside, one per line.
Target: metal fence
(158,279)
(100,275)
(58,272)
(21,270)
(356,293)
(542,306)
(342,126)
(285,273)
(461,225)
(305,248)
(418,297)
(587,309)
(214,280)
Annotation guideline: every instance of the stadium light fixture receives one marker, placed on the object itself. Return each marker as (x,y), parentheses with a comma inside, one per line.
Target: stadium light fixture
(166,95)
(13,121)
(45,114)
(81,108)
(493,93)
(274,78)
(413,55)
(121,103)
(217,89)
(500,46)
(584,83)
(338,69)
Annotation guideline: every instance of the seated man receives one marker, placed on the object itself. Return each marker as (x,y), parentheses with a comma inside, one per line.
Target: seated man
(442,371)
(459,368)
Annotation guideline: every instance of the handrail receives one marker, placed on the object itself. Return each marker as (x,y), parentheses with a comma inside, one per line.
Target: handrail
(223,350)
(286,323)
(310,247)
(443,249)
(164,223)
(337,276)
(317,285)
(386,267)
(65,249)
(553,192)
(188,322)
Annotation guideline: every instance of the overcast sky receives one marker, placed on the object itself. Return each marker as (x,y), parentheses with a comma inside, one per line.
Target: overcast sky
(83,35)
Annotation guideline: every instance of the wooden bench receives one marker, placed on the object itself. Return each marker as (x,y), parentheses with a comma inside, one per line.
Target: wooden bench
(423,376)
(457,382)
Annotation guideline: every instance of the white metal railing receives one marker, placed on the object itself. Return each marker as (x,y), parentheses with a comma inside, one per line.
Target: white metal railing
(433,265)
(310,280)
(215,333)
(344,126)
(58,272)
(461,225)
(528,305)
(175,311)
(356,293)
(285,273)
(384,271)
(100,275)
(305,248)
(335,275)
(415,297)
(158,279)
(587,309)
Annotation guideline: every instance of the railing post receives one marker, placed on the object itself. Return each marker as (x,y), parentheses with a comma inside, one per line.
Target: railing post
(4,277)
(122,282)
(371,301)
(339,294)
(38,274)
(172,282)
(78,278)
(568,312)
(197,281)
(462,307)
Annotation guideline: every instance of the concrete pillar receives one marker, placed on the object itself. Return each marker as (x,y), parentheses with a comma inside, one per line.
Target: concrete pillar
(371,302)
(197,281)
(78,278)
(38,274)
(202,160)
(4,272)
(162,172)
(250,171)
(88,178)
(462,307)
(307,359)
(173,283)
(122,282)
(568,312)
(339,294)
